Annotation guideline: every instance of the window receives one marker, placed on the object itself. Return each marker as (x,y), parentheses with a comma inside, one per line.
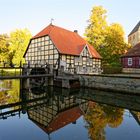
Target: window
(39,48)
(129,61)
(46,38)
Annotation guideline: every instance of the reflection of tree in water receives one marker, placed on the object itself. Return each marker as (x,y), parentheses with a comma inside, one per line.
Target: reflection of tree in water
(99,116)
(11,92)
(138,115)
(114,115)
(3,97)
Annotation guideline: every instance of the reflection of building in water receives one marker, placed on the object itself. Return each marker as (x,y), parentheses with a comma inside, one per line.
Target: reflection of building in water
(58,112)
(136,116)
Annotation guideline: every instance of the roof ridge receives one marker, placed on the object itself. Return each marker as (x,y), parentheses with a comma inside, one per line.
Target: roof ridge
(65,29)
(52,25)
(66,41)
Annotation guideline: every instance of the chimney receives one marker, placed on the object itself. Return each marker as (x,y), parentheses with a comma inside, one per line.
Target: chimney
(76,31)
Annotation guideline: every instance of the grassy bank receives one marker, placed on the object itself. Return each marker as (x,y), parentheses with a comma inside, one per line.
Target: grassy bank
(10,72)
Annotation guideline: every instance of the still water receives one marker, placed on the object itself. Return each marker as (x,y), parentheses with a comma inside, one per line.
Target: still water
(48,113)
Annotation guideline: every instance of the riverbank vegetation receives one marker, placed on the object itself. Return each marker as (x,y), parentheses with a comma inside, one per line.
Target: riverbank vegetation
(13,46)
(10,72)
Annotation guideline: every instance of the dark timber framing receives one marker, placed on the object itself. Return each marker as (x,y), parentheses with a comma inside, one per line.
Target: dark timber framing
(42,51)
(45,114)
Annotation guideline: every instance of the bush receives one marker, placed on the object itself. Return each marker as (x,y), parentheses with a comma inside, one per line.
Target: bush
(112,70)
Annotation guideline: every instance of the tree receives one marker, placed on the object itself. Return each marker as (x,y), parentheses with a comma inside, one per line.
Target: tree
(12,47)
(4,47)
(19,40)
(114,44)
(109,40)
(96,30)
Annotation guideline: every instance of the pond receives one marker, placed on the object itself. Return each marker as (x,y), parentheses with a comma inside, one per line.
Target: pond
(50,113)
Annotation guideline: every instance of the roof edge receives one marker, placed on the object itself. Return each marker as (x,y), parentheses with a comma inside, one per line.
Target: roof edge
(27,48)
(135,28)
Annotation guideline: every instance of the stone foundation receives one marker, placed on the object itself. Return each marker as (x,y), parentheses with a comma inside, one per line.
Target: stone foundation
(131,70)
(112,83)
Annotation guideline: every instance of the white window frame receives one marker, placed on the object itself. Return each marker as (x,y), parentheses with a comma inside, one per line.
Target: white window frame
(130,62)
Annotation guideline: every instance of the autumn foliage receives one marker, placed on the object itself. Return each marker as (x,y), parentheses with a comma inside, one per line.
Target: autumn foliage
(108,39)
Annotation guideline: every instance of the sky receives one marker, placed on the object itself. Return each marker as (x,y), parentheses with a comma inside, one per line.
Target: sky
(70,14)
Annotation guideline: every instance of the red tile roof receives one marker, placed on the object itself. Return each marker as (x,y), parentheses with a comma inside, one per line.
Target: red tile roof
(67,42)
(135,51)
(62,119)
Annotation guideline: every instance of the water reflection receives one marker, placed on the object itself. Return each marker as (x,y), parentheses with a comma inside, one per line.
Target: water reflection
(51,108)
(58,111)
(136,115)
(9,91)
(99,116)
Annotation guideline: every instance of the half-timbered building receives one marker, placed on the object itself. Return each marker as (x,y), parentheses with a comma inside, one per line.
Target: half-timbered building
(62,49)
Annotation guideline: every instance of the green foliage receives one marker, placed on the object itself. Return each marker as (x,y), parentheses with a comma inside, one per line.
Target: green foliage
(11,95)
(10,72)
(19,40)
(109,40)
(113,69)
(115,46)
(4,47)
(14,46)
(95,31)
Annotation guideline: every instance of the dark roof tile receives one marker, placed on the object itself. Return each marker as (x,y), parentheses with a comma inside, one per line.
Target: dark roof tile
(135,51)
(135,28)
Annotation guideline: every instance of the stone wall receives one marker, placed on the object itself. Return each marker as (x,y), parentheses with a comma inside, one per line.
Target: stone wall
(131,70)
(126,84)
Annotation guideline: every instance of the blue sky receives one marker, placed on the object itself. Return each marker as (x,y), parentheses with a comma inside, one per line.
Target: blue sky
(70,14)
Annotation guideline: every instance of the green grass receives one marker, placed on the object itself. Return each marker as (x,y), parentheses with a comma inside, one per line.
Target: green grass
(9,72)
